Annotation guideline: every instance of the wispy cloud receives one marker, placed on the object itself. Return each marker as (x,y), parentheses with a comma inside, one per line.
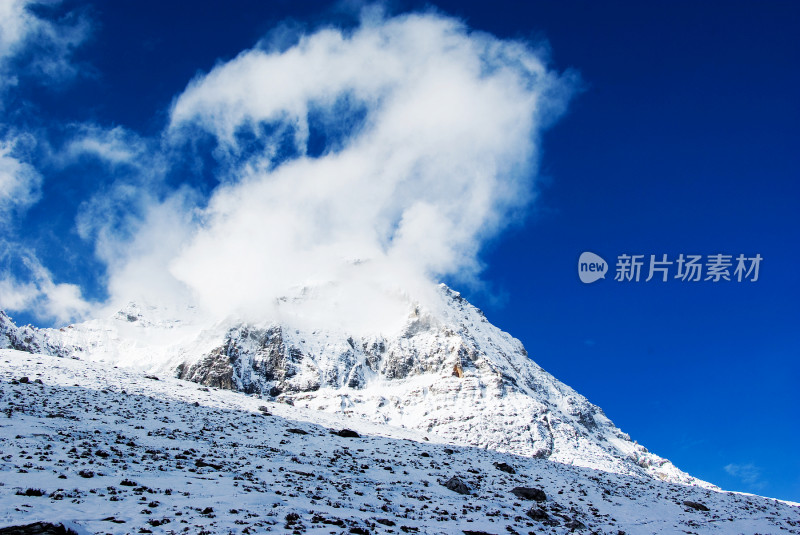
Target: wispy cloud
(31,287)
(749,474)
(32,44)
(29,44)
(113,146)
(20,182)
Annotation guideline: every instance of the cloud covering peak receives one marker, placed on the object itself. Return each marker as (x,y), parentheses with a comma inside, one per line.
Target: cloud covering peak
(362,164)
(330,180)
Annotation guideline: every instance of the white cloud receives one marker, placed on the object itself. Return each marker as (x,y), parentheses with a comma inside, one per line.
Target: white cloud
(115,146)
(431,150)
(36,291)
(20,183)
(139,267)
(16,24)
(747,473)
(21,30)
(31,45)
(16,295)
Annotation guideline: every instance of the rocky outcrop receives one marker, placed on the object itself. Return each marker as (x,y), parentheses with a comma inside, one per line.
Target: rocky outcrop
(33,340)
(252,361)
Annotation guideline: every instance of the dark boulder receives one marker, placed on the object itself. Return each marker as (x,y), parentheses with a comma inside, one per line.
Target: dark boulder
(695,505)
(529,493)
(456,485)
(504,467)
(538,514)
(38,528)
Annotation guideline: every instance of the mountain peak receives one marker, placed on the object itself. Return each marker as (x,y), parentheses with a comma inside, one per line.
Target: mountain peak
(446,372)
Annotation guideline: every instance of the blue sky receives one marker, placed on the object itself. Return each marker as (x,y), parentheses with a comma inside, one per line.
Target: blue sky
(679,135)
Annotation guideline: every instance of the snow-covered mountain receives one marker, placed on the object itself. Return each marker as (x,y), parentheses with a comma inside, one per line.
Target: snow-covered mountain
(447,372)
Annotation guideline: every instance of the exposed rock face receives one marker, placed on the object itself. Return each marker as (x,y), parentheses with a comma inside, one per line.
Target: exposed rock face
(214,370)
(33,340)
(253,360)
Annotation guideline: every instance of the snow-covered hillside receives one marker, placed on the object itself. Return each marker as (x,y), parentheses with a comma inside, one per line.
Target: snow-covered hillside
(446,371)
(116,451)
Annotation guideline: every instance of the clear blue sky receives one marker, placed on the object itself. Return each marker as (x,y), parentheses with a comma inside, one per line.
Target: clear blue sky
(683,139)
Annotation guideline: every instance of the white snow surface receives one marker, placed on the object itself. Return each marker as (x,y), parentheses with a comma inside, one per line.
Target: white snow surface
(111,450)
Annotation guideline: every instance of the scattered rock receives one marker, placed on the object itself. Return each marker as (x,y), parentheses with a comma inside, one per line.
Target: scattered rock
(574,524)
(200,463)
(456,485)
(297,431)
(538,514)
(317,519)
(505,467)
(31,492)
(695,505)
(347,433)
(291,520)
(529,493)
(39,528)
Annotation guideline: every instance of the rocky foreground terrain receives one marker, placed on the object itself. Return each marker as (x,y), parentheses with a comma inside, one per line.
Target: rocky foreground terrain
(111,450)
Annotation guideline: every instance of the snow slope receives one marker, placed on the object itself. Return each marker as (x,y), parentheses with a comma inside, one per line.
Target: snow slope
(116,451)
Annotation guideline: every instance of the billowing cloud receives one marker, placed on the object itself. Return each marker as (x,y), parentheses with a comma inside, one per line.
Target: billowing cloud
(351,171)
(355,166)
